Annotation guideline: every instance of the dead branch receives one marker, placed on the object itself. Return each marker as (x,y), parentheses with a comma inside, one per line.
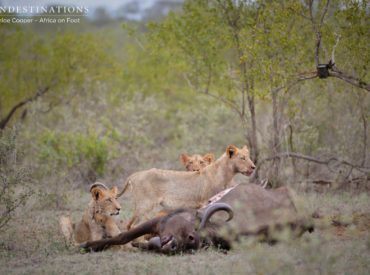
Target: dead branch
(7,118)
(231,104)
(334,47)
(333,160)
(335,72)
(317,28)
(324,13)
(301,77)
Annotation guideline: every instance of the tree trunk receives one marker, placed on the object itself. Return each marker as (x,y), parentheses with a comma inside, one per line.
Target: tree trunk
(292,149)
(364,157)
(276,138)
(253,135)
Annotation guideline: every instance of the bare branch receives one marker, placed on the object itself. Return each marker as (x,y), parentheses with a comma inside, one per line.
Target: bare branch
(300,78)
(310,8)
(7,118)
(324,13)
(317,28)
(227,102)
(317,48)
(334,47)
(335,72)
(138,42)
(315,160)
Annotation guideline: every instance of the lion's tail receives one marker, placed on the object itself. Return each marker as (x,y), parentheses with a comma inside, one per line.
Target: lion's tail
(66,227)
(125,187)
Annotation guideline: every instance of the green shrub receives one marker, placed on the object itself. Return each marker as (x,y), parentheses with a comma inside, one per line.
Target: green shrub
(87,153)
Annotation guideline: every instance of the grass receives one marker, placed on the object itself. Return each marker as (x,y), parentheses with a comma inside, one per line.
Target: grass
(32,244)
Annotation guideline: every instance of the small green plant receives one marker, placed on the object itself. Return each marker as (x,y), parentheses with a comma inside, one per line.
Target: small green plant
(14,178)
(87,153)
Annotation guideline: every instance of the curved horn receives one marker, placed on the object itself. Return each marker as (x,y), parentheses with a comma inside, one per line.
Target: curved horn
(213,208)
(154,243)
(98,184)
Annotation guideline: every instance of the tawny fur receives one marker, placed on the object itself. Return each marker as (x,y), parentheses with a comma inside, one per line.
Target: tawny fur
(196,162)
(151,189)
(97,221)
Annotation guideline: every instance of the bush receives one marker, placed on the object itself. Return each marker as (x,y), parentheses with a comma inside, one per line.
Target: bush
(14,178)
(86,153)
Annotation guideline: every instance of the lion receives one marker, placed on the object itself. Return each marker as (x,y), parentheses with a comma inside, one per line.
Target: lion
(196,162)
(98,221)
(153,189)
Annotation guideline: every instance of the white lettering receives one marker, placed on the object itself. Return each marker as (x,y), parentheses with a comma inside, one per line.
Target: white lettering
(47,20)
(22,20)
(73,20)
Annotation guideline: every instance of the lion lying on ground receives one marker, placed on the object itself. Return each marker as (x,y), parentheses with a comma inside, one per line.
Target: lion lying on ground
(196,162)
(98,221)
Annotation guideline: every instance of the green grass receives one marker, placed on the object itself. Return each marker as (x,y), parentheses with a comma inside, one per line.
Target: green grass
(32,244)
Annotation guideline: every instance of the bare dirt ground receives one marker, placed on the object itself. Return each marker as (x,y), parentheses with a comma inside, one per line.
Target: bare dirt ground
(32,244)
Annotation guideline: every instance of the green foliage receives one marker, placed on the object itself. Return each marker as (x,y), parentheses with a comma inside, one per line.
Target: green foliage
(241,51)
(120,104)
(14,177)
(202,51)
(351,26)
(216,39)
(65,63)
(72,150)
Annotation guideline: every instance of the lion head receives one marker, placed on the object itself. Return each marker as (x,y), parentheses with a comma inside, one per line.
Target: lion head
(105,199)
(240,159)
(196,162)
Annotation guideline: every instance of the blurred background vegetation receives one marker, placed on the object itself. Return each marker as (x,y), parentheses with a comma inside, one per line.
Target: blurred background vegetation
(134,86)
(133,89)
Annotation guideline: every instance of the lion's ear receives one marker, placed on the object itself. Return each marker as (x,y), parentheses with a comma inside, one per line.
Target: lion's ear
(209,158)
(96,193)
(184,158)
(245,147)
(114,190)
(231,150)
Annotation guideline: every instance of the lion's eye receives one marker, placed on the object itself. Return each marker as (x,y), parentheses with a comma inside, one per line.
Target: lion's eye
(110,200)
(202,162)
(243,158)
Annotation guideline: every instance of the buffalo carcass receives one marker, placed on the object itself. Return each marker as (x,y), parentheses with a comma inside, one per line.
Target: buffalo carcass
(175,232)
(252,210)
